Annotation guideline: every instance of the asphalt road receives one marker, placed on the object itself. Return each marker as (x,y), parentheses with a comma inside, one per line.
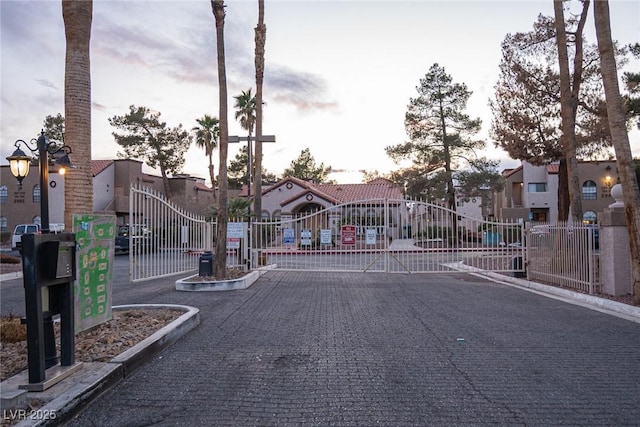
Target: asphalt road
(363,349)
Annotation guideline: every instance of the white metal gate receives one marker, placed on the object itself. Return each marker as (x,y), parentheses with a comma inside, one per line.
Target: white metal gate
(164,239)
(387,236)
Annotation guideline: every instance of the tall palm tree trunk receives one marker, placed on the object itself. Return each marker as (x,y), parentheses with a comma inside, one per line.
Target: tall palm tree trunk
(617,126)
(260,38)
(220,263)
(78,193)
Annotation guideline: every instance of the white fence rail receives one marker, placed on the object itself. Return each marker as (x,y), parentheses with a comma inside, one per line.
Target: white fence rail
(165,239)
(565,255)
(387,235)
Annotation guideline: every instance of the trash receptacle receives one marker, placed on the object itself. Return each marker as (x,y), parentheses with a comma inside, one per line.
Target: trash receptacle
(205,266)
(517,265)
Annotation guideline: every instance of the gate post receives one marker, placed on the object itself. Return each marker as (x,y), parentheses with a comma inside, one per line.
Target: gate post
(615,257)
(387,235)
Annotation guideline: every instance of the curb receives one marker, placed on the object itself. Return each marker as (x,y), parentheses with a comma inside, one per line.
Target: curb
(94,378)
(10,276)
(222,285)
(603,305)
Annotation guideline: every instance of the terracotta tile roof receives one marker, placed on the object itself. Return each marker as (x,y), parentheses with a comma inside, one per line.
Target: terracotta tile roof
(508,172)
(553,168)
(98,166)
(201,186)
(378,188)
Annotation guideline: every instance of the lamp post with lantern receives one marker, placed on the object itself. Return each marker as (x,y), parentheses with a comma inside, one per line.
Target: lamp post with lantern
(19,163)
(49,270)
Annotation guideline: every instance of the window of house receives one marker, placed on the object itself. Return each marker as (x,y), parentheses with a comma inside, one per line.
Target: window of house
(36,194)
(589,190)
(3,223)
(589,217)
(4,194)
(537,187)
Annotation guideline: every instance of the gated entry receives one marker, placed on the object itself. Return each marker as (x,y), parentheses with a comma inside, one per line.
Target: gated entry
(164,239)
(388,236)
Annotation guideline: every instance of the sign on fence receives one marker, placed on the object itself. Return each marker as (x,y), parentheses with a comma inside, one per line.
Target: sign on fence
(348,235)
(325,236)
(288,236)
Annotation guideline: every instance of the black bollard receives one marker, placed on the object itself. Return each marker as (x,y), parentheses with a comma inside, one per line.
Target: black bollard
(50,352)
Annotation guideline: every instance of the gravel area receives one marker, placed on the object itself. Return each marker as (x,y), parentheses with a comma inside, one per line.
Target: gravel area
(98,344)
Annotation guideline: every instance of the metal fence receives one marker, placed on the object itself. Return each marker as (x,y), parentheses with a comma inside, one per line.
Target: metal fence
(386,235)
(165,239)
(564,254)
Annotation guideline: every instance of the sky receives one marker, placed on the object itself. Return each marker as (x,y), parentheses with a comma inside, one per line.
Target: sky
(338,74)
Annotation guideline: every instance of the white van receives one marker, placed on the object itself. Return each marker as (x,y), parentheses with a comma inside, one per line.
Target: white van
(16,237)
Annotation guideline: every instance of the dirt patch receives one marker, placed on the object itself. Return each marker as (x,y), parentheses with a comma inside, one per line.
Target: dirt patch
(98,344)
(232,274)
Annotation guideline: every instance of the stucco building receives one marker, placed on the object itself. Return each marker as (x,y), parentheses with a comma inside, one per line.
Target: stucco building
(111,182)
(531,192)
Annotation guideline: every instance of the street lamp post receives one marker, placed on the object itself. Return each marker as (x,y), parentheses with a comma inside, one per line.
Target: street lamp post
(19,164)
(48,265)
(249,139)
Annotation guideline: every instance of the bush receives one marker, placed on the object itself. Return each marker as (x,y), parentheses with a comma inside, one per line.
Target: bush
(8,259)
(11,330)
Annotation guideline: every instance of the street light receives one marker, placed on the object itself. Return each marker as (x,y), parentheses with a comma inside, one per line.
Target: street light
(19,164)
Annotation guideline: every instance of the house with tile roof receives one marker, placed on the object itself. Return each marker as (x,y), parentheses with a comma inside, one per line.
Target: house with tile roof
(293,196)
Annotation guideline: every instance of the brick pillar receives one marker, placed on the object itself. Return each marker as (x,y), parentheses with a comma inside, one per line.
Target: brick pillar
(615,256)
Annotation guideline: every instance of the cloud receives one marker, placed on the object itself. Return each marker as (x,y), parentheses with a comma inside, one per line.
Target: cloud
(304,91)
(46,83)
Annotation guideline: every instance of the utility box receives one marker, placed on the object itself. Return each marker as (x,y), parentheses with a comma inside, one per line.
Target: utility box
(49,265)
(205,265)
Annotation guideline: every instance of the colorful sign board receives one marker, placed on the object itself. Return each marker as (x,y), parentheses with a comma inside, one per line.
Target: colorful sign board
(95,241)
(348,235)
(288,236)
(233,243)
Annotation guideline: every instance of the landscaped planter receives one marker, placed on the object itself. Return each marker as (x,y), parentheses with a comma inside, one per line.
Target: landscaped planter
(188,284)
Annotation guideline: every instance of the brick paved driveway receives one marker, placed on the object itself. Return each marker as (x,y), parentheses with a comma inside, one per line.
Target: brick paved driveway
(301,348)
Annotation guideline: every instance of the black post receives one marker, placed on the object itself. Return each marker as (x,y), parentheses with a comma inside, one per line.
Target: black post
(249,172)
(43,145)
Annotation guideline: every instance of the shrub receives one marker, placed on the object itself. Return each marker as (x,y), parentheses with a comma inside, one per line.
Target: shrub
(11,330)
(9,259)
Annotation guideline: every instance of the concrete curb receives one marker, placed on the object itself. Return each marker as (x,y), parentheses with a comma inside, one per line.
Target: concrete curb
(10,276)
(68,397)
(222,285)
(604,305)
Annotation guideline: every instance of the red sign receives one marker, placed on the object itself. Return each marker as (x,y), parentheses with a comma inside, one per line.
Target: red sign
(348,235)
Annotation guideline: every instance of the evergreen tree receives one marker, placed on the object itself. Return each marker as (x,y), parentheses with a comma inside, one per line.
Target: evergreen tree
(305,168)
(146,138)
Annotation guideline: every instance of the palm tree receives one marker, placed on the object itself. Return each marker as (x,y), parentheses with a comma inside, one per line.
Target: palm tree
(220,263)
(207,135)
(246,110)
(620,138)
(260,37)
(78,194)
(246,113)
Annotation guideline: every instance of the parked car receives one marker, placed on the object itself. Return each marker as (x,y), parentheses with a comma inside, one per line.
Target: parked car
(140,233)
(16,237)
